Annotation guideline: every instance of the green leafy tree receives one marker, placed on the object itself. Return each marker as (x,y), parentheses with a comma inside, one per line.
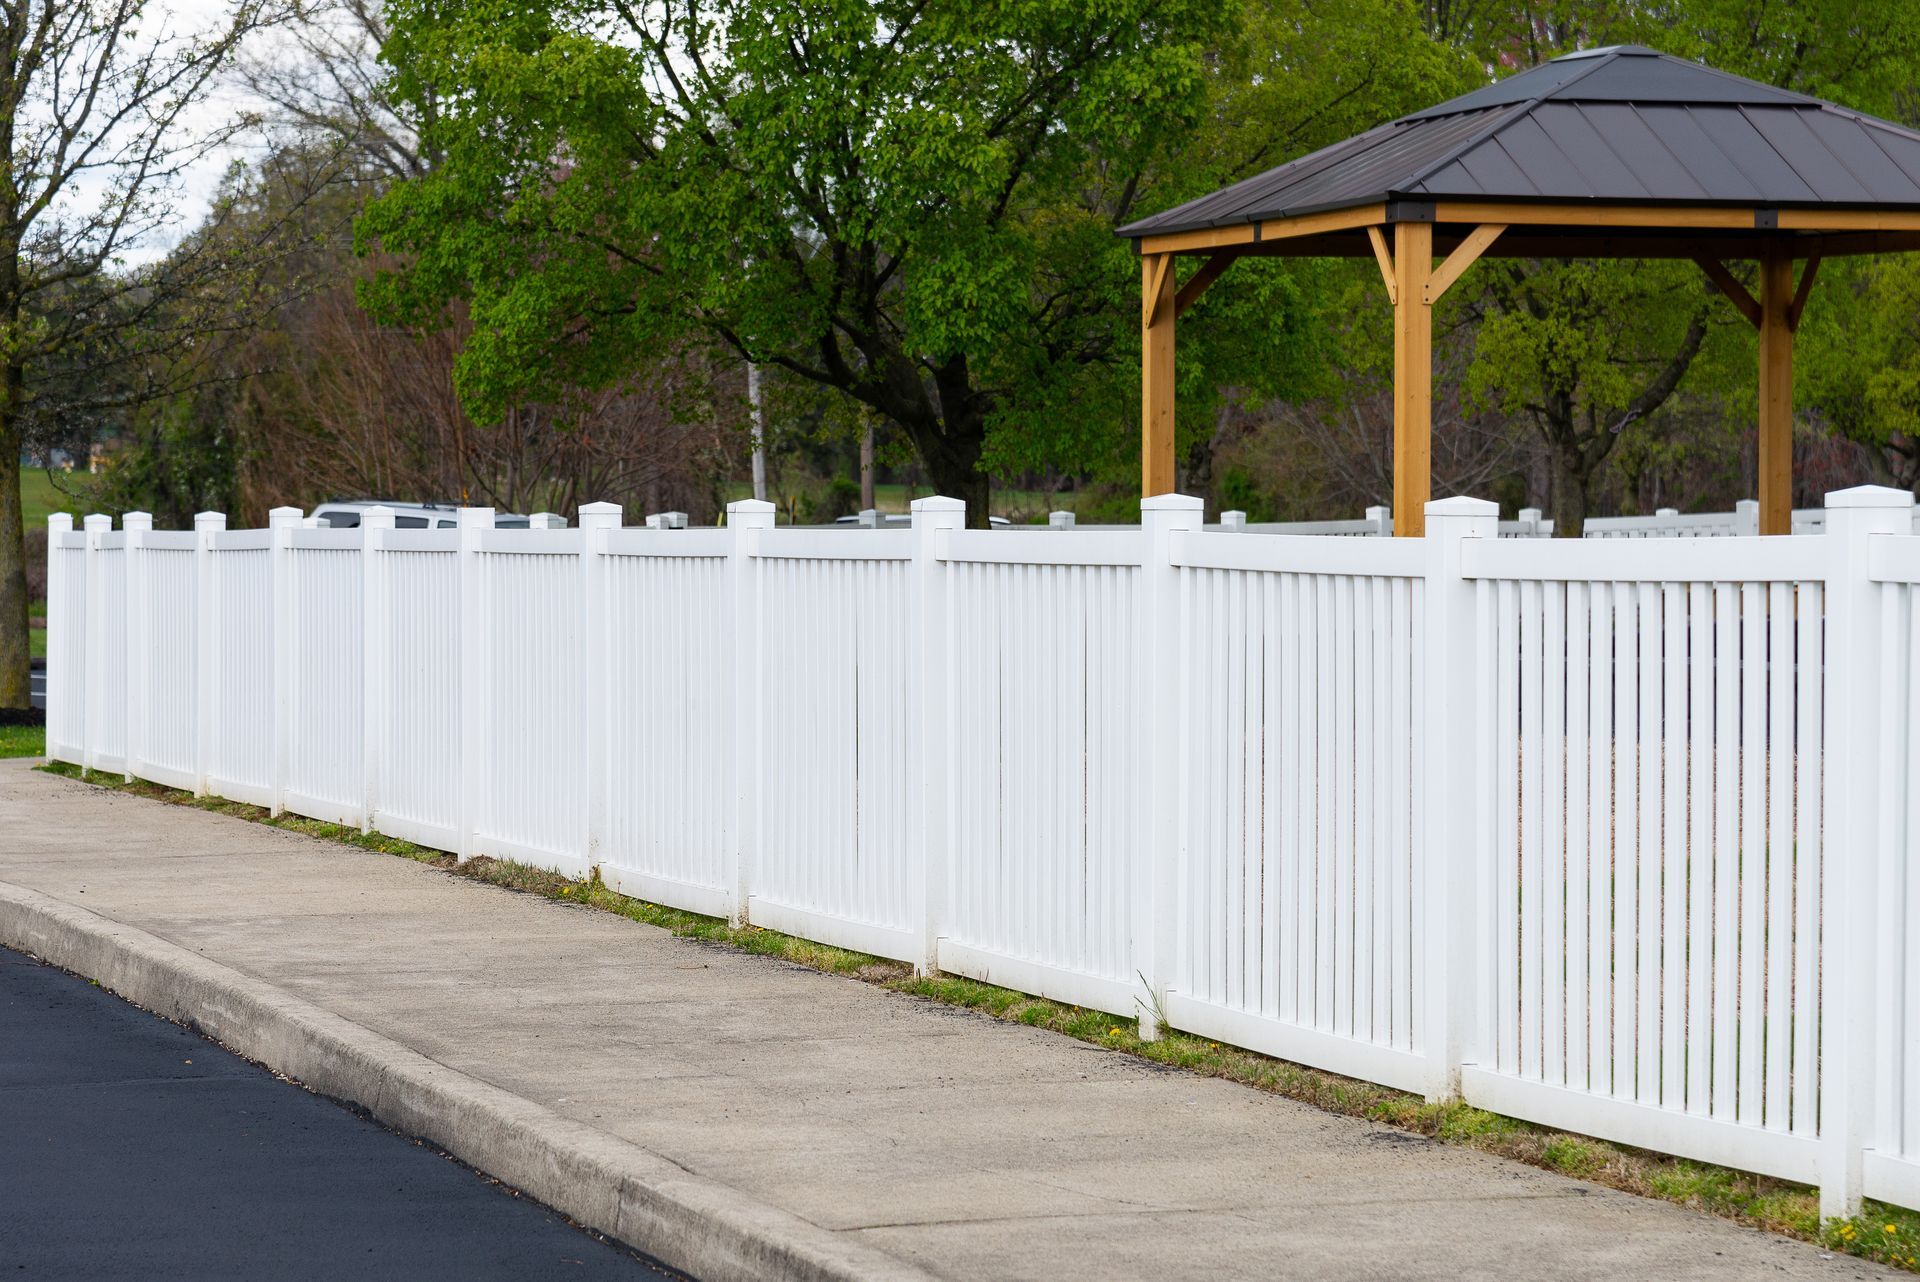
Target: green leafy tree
(909,203)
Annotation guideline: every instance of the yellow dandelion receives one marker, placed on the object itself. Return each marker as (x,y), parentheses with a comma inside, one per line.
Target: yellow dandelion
(1113,1032)
(1893,1228)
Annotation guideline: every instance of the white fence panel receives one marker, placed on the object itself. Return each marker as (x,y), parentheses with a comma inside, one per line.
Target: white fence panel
(1297,933)
(1549,824)
(667,736)
(833,860)
(417,717)
(66,642)
(1047,783)
(163,724)
(106,702)
(1654,749)
(532,803)
(322,737)
(1892,1165)
(240,756)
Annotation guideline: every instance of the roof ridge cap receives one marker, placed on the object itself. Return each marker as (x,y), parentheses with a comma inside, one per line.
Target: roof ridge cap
(1515,111)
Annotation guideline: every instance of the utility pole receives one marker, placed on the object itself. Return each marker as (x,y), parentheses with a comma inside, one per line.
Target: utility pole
(866,466)
(759,432)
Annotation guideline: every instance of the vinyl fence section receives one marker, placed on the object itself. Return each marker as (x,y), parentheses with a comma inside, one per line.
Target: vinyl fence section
(1616,835)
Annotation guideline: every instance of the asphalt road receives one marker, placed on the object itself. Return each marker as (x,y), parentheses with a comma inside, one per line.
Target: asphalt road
(133,1148)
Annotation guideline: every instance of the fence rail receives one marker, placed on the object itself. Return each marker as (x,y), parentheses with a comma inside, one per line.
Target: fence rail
(1615,835)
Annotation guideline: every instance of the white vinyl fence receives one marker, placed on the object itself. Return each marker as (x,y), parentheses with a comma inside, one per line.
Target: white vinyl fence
(1613,835)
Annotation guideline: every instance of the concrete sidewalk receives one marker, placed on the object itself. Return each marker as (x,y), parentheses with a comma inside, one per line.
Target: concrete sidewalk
(888,1134)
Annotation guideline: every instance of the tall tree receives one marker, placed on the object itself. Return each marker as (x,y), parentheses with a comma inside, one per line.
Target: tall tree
(910,202)
(97,128)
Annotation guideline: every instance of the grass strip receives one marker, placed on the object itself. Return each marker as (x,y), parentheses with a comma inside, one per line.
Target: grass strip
(1887,1234)
(23,741)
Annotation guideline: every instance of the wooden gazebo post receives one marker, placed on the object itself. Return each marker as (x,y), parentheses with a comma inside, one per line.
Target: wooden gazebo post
(1156,374)
(1777,321)
(1412,376)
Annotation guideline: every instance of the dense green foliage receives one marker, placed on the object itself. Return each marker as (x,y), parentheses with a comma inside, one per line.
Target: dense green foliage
(912,204)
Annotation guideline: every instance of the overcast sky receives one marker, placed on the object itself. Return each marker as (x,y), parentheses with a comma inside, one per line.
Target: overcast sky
(199,184)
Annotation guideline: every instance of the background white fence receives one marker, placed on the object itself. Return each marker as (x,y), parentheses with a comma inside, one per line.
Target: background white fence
(1615,835)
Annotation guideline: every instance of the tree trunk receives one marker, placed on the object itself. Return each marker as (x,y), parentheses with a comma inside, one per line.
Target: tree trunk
(958,478)
(15,681)
(1569,493)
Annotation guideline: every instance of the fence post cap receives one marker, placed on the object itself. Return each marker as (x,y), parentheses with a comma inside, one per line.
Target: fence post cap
(1172,503)
(60,522)
(378,517)
(750,506)
(1870,496)
(936,503)
(1462,505)
(476,518)
(209,520)
(284,516)
(97,521)
(137,521)
(546,521)
(604,508)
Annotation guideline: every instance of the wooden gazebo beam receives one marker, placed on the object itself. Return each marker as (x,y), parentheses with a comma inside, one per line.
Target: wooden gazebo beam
(1466,230)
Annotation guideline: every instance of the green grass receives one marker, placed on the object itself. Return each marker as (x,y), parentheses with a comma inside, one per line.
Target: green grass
(39,498)
(23,741)
(37,642)
(1884,1233)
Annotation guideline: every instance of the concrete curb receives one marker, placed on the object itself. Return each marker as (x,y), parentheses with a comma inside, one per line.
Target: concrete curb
(688,1221)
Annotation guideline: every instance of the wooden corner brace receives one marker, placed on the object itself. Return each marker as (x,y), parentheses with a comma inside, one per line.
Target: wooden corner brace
(1464,255)
(1197,283)
(1748,305)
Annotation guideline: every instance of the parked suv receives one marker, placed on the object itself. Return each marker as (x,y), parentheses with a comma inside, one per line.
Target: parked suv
(344,514)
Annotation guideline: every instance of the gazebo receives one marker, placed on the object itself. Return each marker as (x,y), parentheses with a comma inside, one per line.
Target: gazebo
(1606,153)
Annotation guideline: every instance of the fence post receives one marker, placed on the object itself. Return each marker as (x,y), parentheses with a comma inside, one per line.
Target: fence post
(596,644)
(93,639)
(1447,868)
(930,714)
(206,676)
(746,695)
(376,658)
(1160,625)
(1055,520)
(59,706)
(547,521)
(1852,854)
(1746,516)
(1382,519)
(474,724)
(281,523)
(1233,519)
(136,526)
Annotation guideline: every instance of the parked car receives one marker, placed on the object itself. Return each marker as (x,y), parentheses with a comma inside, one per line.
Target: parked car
(344,514)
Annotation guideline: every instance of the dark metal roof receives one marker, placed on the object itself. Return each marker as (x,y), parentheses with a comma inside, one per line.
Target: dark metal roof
(1625,124)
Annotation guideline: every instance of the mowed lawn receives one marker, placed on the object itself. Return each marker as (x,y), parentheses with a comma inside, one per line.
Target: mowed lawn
(23,741)
(39,498)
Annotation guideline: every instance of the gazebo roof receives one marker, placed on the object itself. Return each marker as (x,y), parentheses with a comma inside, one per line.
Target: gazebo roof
(1622,126)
